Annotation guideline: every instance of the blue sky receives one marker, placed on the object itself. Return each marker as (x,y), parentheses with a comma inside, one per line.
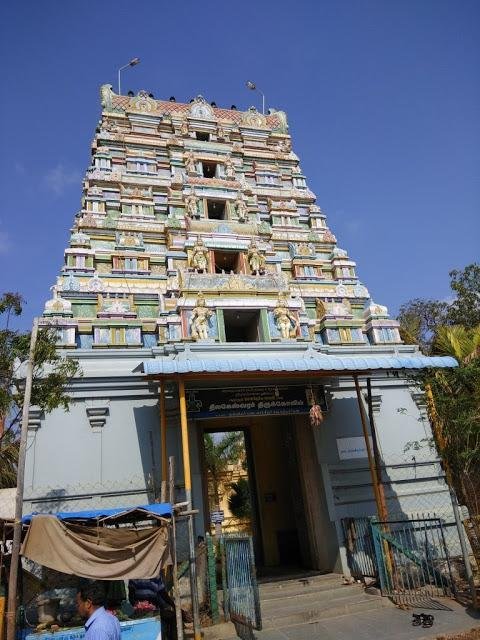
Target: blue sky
(382,96)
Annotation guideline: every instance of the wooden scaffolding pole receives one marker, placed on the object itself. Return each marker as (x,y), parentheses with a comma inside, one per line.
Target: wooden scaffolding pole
(163,441)
(188,497)
(377,485)
(17,527)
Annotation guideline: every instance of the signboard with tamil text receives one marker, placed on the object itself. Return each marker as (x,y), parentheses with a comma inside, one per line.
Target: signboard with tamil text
(253,401)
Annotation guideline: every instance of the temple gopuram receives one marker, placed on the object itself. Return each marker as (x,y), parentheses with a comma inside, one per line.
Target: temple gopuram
(203,292)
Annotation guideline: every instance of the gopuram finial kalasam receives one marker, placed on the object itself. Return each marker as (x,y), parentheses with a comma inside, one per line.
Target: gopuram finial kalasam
(286,322)
(201,314)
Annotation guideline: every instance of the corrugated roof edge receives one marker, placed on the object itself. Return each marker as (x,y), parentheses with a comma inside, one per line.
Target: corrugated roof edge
(168,366)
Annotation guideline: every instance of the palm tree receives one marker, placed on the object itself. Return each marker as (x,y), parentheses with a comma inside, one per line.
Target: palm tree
(458,341)
(219,454)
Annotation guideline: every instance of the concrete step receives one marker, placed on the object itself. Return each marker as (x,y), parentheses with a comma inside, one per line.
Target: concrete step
(321,610)
(302,588)
(306,599)
(274,584)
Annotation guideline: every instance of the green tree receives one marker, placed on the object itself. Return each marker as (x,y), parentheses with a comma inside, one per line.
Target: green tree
(51,375)
(454,407)
(239,501)
(419,320)
(219,454)
(465,309)
(458,341)
(453,395)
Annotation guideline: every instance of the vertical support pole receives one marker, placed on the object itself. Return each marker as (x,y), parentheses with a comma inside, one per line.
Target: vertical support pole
(185,446)
(376,452)
(197,634)
(212,579)
(226,593)
(17,527)
(188,496)
(176,588)
(380,511)
(163,442)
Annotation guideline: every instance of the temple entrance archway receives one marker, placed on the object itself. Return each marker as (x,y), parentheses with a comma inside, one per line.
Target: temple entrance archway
(279,483)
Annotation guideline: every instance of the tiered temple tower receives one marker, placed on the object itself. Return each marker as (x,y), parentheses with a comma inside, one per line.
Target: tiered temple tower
(202,290)
(197,224)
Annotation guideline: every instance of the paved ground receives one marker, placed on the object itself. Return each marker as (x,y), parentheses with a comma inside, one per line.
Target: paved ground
(381,624)
(322,607)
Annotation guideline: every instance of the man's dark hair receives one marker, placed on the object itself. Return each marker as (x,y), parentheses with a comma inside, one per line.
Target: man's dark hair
(93,591)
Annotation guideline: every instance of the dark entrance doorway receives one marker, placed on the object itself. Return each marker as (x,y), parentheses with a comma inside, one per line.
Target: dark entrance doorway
(262,485)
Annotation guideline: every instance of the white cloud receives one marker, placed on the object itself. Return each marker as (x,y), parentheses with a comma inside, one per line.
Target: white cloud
(59,179)
(4,243)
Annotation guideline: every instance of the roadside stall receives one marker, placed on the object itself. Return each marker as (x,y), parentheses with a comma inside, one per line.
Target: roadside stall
(61,550)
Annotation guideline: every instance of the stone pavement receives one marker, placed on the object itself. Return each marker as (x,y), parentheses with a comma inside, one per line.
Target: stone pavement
(379,624)
(322,607)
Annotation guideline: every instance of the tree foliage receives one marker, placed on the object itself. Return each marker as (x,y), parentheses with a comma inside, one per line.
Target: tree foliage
(219,454)
(453,394)
(51,375)
(239,501)
(420,319)
(465,309)
(455,414)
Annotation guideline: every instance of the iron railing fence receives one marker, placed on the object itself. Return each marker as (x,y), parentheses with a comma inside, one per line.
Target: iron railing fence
(412,559)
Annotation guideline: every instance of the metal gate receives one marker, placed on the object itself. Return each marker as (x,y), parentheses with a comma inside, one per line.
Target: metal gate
(412,559)
(241,598)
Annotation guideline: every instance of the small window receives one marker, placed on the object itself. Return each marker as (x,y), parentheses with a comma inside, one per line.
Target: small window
(216,209)
(227,261)
(242,325)
(209,169)
(201,135)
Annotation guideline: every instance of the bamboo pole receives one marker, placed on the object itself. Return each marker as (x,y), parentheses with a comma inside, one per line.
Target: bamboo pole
(371,464)
(376,451)
(17,527)
(163,442)
(188,496)
(185,445)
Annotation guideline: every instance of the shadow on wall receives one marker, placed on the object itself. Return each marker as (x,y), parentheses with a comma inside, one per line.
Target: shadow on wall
(147,424)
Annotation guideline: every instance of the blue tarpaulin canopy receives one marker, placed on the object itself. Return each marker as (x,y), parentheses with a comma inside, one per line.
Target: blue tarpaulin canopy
(163,509)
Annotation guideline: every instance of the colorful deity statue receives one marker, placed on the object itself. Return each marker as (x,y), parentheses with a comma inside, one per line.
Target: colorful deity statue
(286,322)
(199,321)
(190,164)
(229,168)
(241,209)
(191,206)
(199,259)
(256,260)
